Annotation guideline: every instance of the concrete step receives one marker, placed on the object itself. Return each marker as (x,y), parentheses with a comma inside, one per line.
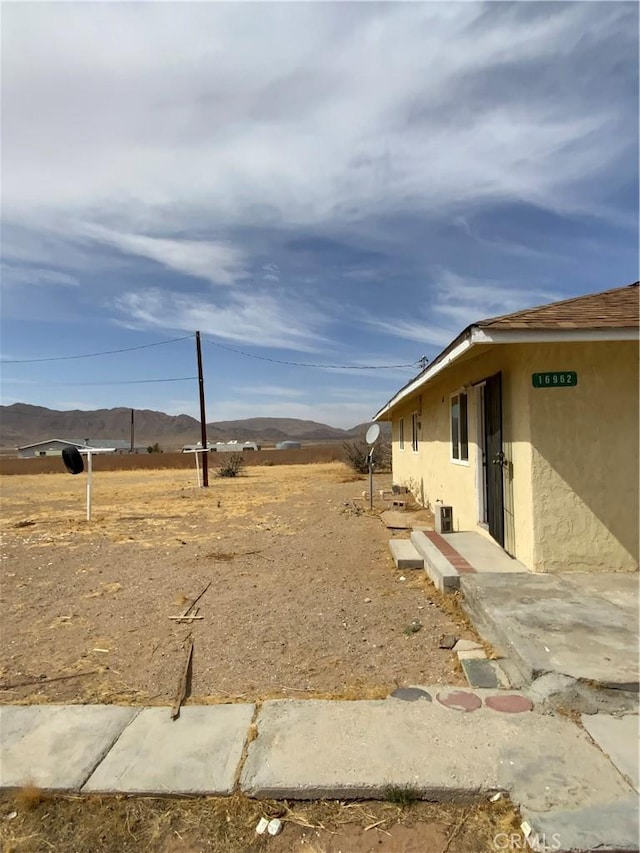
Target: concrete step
(442,573)
(484,673)
(405,555)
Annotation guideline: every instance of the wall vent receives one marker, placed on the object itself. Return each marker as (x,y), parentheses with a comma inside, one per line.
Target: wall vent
(443,519)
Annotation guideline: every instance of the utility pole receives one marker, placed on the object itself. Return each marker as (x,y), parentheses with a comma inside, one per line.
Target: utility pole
(203,417)
(132,433)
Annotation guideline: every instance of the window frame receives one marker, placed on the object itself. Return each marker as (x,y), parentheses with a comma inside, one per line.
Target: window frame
(458,436)
(401,433)
(415,429)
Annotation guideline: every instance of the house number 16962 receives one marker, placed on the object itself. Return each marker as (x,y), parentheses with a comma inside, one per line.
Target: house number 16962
(555,379)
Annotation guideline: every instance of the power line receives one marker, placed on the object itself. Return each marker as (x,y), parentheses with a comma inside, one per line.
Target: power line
(307,364)
(93,354)
(209,341)
(129,381)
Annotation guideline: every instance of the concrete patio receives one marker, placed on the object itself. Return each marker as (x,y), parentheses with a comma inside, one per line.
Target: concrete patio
(580,625)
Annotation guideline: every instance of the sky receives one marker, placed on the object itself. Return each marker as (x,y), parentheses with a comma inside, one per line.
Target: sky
(326,184)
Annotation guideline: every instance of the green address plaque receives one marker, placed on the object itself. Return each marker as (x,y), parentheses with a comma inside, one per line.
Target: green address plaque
(555,379)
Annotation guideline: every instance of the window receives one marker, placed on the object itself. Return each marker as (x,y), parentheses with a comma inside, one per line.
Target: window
(459,434)
(401,433)
(415,421)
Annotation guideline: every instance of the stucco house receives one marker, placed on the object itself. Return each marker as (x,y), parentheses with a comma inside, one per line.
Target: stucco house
(526,425)
(55,446)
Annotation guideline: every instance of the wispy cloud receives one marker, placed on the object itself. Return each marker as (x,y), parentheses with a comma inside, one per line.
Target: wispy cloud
(422,331)
(255,319)
(310,124)
(271,272)
(456,302)
(507,246)
(464,300)
(216,262)
(12,276)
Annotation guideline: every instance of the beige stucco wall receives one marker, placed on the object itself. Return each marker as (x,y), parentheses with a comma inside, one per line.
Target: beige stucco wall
(585,462)
(560,511)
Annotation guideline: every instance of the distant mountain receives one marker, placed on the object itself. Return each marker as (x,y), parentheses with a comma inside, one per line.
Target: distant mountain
(359,431)
(278,429)
(23,424)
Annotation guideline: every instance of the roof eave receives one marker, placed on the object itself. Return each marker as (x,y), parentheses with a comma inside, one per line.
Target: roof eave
(44,441)
(475,335)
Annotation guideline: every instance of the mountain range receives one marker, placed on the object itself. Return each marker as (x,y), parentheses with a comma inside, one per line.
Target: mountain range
(22,423)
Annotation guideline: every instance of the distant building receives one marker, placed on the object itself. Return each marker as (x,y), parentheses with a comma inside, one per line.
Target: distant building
(223,447)
(55,446)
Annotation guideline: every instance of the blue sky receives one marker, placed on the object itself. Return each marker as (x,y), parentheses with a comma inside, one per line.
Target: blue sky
(324,183)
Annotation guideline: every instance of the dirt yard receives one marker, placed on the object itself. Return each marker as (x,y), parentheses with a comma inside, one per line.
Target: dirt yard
(304,597)
(31,822)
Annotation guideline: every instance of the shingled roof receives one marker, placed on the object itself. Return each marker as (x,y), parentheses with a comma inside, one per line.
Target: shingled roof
(611,309)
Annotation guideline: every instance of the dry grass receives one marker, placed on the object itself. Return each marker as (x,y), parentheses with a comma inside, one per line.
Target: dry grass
(109,696)
(29,797)
(350,478)
(156,508)
(227,825)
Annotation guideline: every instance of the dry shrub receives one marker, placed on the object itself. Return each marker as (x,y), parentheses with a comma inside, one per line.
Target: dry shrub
(29,797)
(357,456)
(231,466)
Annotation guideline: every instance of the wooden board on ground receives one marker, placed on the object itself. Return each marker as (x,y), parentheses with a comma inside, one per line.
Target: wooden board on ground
(184,678)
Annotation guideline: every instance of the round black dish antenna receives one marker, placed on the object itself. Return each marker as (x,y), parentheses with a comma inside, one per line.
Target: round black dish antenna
(73,462)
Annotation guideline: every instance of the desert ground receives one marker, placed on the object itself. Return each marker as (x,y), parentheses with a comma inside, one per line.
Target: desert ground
(304,599)
(227,825)
(301,599)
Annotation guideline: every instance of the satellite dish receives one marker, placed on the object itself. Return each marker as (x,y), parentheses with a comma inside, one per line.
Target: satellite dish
(372,434)
(72,460)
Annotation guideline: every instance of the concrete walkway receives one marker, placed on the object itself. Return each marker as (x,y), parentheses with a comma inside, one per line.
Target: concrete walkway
(483,554)
(446,743)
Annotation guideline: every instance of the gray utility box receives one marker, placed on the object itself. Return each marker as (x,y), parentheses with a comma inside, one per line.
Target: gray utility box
(443,518)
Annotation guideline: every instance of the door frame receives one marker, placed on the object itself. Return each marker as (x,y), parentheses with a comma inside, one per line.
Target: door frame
(481,456)
(494,454)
